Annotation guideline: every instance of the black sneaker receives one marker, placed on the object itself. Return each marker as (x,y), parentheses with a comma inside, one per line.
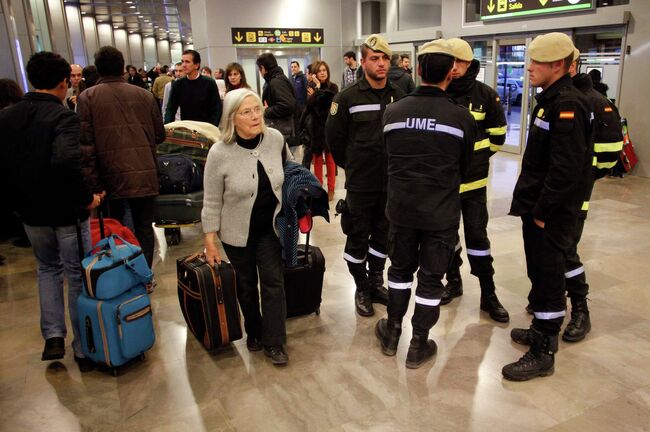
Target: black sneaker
(253,344)
(85,364)
(277,354)
(54,349)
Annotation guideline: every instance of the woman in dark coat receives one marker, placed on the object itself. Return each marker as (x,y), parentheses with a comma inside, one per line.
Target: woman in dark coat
(319,100)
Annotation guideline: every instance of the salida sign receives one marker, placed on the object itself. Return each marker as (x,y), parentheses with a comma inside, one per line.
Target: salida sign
(499,9)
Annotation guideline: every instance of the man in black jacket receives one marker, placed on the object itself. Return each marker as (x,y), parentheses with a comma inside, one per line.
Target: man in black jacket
(43,180)
(548,196)
(278,96)
(399,76)
(483,104)
(429,141)
(354,136)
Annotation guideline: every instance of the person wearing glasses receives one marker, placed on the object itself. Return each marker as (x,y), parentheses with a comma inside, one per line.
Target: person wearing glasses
(242,197)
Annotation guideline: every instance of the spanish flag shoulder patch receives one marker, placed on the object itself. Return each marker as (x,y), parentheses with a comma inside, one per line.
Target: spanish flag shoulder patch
(567,115)
(608,109)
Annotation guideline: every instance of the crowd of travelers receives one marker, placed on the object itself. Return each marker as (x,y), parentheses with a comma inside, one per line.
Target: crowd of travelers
(416,160)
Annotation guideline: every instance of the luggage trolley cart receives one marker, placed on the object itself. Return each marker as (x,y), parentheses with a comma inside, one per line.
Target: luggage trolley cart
(175,211)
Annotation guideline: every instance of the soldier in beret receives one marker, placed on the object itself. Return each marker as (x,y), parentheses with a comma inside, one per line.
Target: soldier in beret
(548,197)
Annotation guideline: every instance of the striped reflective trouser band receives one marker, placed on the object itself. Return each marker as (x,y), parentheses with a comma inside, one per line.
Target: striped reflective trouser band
(480,145)
(351,259)
(479,252)
(465,187)
(364,108)
(575,272)
(376,253)
(585,206)
(400,285)
(426,302)
(608,147)
(549,315)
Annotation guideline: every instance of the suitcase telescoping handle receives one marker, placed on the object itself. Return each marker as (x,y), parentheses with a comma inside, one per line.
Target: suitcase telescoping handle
(100,216)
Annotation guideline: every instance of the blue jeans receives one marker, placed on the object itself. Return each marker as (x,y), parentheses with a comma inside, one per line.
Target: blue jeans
(57,253)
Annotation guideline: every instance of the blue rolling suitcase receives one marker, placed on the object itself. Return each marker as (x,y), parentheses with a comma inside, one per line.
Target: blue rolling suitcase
(115,316)
(117,330)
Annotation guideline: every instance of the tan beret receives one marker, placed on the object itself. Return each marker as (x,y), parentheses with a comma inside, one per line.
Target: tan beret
(551,47)
(461,49)
(438,46)
(576,54)
(377,43)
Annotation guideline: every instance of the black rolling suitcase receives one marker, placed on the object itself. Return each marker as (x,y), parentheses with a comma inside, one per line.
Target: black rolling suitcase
(303,284)
(208,300)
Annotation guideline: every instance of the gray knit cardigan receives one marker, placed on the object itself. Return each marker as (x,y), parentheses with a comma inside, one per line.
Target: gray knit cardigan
(230,186)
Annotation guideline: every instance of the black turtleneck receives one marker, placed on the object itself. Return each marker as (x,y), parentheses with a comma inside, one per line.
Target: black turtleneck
(264,207)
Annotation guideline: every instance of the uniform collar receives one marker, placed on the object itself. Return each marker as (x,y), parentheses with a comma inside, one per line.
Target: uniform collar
(555,88)
(365,85)
(429,91)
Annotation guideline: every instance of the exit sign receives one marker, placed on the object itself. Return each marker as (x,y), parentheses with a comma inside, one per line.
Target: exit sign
(502,9)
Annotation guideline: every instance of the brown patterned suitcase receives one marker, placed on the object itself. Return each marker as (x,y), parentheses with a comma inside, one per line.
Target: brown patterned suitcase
(208,300)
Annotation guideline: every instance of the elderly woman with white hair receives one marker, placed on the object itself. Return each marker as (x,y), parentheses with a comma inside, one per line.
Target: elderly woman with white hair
(242,197)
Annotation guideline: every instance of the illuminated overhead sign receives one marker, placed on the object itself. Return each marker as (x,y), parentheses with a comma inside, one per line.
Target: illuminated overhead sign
(501,9)
(254,36)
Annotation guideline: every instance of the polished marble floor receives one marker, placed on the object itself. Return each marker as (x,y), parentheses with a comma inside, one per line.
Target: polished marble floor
(337,379)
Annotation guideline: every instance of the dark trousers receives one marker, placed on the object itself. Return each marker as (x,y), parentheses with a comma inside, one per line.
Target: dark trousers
(428,252)
(307,156)
(366,228)
(475,221)
(262,254)
(142,216)
(576,279)
(546,250)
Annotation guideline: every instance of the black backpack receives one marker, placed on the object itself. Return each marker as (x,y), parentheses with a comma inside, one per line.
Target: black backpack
(179,174)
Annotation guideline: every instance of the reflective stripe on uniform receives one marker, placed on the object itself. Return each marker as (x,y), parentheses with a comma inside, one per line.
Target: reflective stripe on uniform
(542,124)
(575,272)
(585,206)
(465,187)
(376,253)
(350,258)
(400,285)
(594,161)
(549,315)
(497,130)
(366,107)
(478,252)
(495,147)
(424,124)
(479,145)
(478,116)
(605,165)
(608,147)
(427,302)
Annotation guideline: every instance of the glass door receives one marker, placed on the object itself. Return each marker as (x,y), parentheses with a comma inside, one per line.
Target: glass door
(511,85)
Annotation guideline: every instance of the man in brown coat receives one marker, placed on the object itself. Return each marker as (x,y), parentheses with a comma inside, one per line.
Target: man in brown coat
(120,129)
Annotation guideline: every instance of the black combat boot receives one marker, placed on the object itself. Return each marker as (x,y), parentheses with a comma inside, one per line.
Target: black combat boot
(378,293)
(580,323)
(522,336)
(454,286)
(362,299)
(421,349)
(490,302)
(388,333)
(539,361)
